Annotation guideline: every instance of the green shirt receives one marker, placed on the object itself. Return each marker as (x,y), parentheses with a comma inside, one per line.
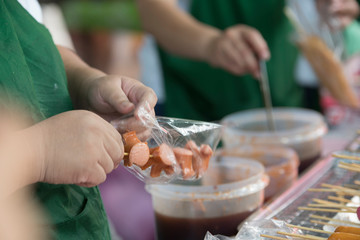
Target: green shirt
(196,90)
(32,72)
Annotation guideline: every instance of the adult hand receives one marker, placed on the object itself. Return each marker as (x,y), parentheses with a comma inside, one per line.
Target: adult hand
(76,147)
(238,50)
(112,97)
(344,11)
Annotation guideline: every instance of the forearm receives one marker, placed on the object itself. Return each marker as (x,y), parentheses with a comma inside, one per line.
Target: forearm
(77,71)
(175,30)
(20,161)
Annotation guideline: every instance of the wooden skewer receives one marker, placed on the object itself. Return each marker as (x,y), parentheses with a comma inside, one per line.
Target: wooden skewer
(324,190)
(127,154)
(341,207)
(324,223)
(357,182)
(344,189)
(325,210)
(333,219)
(302,236)
(345,156)
(340,199)
(308,229)
(348,168)
(273,237)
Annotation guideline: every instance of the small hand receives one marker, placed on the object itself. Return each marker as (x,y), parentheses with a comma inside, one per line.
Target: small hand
(77,147)
(238,49)
(112,96)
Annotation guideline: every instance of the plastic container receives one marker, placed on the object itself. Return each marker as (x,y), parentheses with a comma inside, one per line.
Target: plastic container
(230,190)
(299,129)
(281,165)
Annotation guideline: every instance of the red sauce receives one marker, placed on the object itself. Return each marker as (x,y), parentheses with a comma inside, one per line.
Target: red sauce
(196,228)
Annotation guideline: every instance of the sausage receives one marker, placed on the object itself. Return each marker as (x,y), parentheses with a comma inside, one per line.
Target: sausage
(343,236)
(353,230)
(164,154)
(130,140)
(201,157)
(156,170)
(358,212)
(139,154)
(184,159)
(205,152)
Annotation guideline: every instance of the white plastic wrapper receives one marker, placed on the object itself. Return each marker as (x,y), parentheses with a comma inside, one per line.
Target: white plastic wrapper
(253,230)
(179,148)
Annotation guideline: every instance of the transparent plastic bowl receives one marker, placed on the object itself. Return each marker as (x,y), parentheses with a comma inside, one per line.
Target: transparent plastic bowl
(281,165)
(299,129)
(230,190)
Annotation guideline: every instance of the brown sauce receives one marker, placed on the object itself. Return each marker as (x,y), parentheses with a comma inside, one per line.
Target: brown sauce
(195,228)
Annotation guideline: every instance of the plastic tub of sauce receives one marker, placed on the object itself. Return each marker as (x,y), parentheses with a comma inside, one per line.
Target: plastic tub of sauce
(299,129)
(228,193)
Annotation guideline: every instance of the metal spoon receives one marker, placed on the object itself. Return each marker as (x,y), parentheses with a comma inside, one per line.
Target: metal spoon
(264,84)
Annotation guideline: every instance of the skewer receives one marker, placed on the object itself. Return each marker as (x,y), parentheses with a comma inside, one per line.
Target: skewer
(308,229)
(333,219)
(345,156)
(324,223)
(348,166)
(357,182)
(324,190)
(344,189)
(302,236)
(340,199)
(325,210)
(127,154)
(333,206)
(273,237)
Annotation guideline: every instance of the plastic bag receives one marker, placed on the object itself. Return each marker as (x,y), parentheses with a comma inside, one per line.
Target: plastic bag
(178,148)
(254,229)
(322,43)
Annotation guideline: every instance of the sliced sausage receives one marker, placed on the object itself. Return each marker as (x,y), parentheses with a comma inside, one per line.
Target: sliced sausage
(184,159)
(205,152)
(343,236)
(353,230)
(130,140)
(139,154)
(156,170)
(165,154)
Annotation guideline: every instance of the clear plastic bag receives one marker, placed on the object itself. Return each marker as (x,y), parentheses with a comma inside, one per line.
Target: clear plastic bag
(321,41)
(254,229)
(172,139)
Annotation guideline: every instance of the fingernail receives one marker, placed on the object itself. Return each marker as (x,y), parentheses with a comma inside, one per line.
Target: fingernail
(265,55)
(127,104)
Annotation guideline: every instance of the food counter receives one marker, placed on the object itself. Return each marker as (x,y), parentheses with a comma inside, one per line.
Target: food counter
(325,170)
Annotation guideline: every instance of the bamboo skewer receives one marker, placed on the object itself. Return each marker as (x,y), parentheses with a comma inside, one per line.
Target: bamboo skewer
(324,223)
(344,189)
(273,237)
(333,219)
(340,199)
(301,236)
(127,154)
(357,182)
(325,210)
(308,229)
(342,207)
(346,156)
(349,167)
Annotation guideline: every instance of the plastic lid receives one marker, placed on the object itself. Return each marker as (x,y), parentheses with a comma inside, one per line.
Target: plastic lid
(255,182)
(293,125)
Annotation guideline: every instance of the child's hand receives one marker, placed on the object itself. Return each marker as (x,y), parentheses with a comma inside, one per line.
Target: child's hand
(77,147)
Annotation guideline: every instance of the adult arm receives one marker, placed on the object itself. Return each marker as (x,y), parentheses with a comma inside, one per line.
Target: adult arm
(236,49)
